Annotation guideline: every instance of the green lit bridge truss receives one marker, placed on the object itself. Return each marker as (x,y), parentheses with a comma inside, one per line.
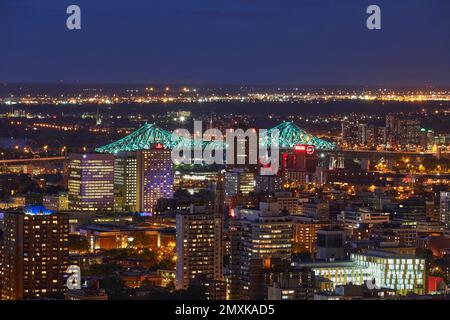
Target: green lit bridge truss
(149,134)
(291,135)
(143,139)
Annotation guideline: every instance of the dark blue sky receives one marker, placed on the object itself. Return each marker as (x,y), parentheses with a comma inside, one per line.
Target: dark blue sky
(226,41)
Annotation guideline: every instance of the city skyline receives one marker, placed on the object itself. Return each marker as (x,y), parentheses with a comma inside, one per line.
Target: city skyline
(224,158)
(368,207)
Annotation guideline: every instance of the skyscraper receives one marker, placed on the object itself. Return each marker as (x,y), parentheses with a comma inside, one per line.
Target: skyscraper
(349,135)
(91,182)
(155,177)
(370,135)
(409,132)
(125,182)
(199,246)
(392,131)
(426,139)
(219,197)
(35,253)
(258,239)
(402,131)
(141,178)
(363,134)
(239,181)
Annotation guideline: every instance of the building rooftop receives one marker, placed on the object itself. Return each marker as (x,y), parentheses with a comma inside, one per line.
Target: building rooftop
(37,210)
(387,254)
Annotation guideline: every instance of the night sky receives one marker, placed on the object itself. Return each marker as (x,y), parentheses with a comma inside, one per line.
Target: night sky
(304,42)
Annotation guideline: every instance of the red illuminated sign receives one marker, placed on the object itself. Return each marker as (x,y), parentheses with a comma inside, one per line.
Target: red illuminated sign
(159,146)
(300,147)
(309,150)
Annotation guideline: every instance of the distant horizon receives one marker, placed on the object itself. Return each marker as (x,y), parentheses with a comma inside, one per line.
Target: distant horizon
(270,85)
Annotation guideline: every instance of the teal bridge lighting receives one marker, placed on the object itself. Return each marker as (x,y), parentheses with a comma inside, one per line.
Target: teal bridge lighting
(149,134)
(291,135)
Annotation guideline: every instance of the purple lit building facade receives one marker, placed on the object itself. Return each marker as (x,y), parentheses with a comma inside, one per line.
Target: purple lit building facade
(91,182)
(155,177)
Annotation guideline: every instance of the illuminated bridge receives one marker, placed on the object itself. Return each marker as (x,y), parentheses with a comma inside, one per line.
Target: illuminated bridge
(149,134)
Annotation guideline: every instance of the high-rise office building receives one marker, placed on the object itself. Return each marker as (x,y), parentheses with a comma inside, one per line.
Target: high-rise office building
(239,181)
(426,139)
(391,130)
(258,239)
(125,182)
(219,197)
(402,131)
(199,246)
(363,134)
(141,178)
(371,136)
(244,147)
(155,177)
(349,135)
(91,182)
(36,253)
(409,132)
(298,166)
